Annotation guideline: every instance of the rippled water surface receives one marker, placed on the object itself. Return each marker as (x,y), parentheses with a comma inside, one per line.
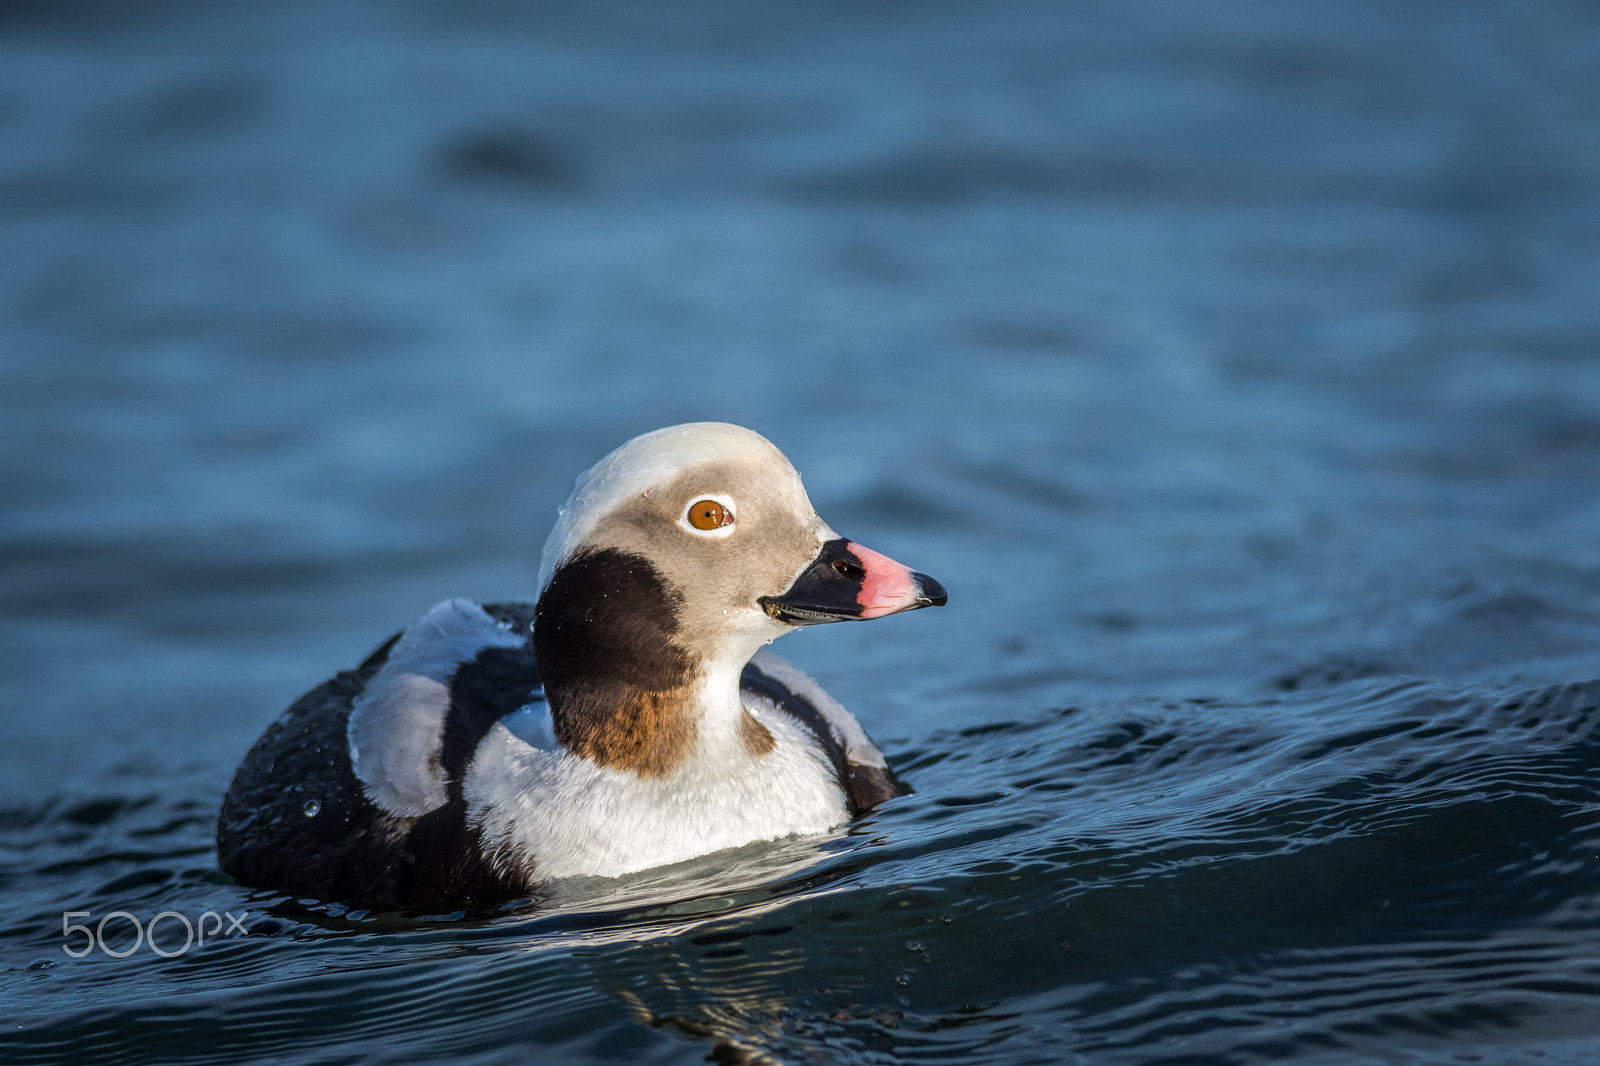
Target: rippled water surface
(1235,366)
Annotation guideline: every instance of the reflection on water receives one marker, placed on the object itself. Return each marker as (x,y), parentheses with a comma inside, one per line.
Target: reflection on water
(1235,368)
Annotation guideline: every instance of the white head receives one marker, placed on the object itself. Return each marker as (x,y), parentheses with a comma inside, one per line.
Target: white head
(638,498)
(677,557)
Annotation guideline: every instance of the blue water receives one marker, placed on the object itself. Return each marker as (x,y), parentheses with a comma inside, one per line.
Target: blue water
(1235,366)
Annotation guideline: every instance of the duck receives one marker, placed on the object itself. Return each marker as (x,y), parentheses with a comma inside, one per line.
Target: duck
(631,717)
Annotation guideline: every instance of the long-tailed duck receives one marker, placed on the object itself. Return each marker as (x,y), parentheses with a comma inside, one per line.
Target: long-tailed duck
(630,718)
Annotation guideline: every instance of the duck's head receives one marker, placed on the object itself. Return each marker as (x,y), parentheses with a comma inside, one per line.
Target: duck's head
(702,536)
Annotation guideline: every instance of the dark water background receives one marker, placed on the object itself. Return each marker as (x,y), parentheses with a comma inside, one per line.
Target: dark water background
(1235,365)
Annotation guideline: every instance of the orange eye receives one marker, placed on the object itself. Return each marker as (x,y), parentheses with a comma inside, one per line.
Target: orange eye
(709,514)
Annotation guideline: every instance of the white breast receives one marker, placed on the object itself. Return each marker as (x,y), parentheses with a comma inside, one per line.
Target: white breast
(567,816)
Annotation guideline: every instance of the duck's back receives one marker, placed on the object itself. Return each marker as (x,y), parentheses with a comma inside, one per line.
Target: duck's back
(295,817)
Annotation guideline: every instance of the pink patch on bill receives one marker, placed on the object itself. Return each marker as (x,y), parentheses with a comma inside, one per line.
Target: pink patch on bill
(888,587)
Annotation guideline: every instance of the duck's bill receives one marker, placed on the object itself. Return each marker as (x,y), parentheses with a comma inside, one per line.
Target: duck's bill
(848,581)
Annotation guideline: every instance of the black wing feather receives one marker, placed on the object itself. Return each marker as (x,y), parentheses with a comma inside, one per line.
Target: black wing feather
(297,819)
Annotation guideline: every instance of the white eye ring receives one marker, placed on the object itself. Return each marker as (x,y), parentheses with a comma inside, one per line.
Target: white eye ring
(719,531)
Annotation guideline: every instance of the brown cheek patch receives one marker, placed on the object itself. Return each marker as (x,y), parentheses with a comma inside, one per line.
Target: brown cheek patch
(617,683)
(647,733)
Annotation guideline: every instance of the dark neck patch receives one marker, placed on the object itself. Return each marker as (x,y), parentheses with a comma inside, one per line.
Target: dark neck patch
(754,681)
(758,739)
(617,683)
(864,786)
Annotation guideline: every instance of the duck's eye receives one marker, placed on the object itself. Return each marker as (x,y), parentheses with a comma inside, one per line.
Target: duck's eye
(709,514)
